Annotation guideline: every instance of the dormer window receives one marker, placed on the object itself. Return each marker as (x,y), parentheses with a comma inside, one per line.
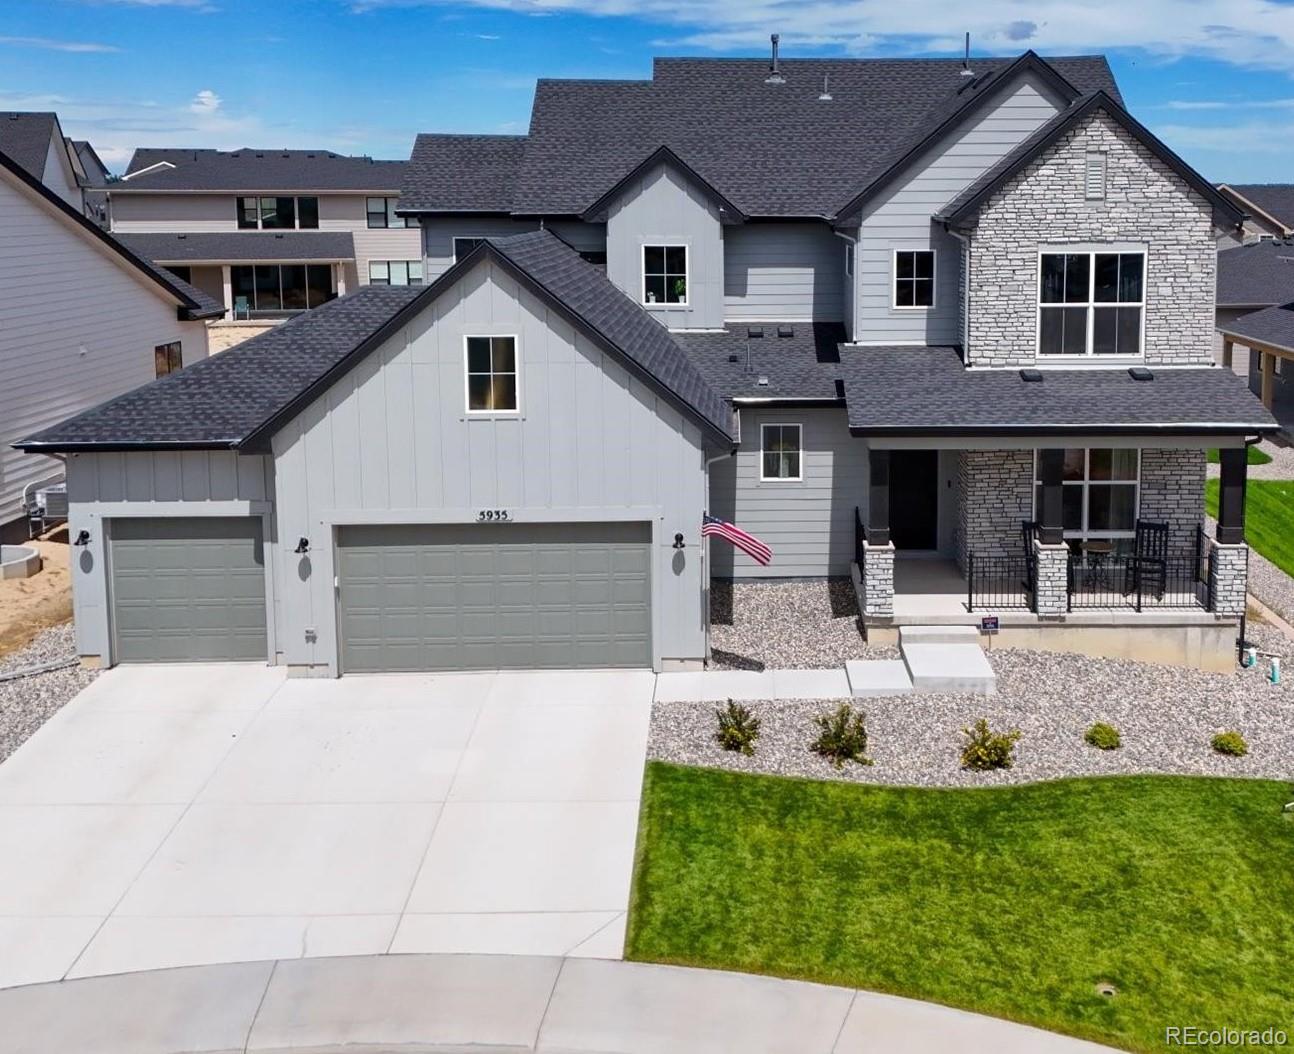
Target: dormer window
(664,274)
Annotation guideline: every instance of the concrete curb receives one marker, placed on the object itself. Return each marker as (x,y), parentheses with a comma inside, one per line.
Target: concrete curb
(445,1003)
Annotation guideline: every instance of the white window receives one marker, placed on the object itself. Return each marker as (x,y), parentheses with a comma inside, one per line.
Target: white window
(664,274)
(381,213)
(780,453)
(1090,303)
(914,278)
(278,213)
(463,246)
(1094,175)
(395,272)
(491,375)
(1099,493)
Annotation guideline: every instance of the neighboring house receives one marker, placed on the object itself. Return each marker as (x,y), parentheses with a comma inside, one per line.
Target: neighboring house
(1255,285)
(945,330)
(268,233)
(97,177)
(82,319)
(35,142)
(1269,209)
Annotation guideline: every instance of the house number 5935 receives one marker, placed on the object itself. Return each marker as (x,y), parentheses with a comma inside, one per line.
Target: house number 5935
(492,515)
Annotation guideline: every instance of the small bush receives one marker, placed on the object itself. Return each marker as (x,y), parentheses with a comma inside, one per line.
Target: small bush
(842,736)
(1230,743)
(1103,736)
(738,728)
(986,749)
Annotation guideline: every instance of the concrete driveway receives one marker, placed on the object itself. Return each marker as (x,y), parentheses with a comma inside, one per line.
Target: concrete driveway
(177,815)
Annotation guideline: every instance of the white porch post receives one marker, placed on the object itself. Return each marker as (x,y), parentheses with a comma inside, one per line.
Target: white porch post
(341,278)
(228,286)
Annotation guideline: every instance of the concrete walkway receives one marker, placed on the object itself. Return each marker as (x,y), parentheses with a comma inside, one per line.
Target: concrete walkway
(487,1003)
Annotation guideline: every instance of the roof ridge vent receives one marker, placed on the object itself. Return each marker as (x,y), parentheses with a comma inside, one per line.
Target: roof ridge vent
(774,70)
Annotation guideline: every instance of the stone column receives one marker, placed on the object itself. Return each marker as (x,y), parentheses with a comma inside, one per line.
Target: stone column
(1051,593)
(878,580)
(1228,568)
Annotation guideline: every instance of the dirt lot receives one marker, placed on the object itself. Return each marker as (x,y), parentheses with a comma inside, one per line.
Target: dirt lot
(29,605)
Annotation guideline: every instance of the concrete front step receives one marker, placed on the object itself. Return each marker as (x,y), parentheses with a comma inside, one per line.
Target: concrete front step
(938,635)
(949,668)
(873,677)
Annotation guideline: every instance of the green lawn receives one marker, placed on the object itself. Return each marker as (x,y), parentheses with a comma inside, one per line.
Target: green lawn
(1269,517)
(1254,457)
(1014,902)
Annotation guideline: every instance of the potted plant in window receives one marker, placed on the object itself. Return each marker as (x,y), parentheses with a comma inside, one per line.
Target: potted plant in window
(680,290)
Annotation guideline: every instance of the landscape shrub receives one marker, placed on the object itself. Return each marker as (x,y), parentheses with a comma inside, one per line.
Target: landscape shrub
(1230,743)
(738,728)
(1103,736)
(842,736)
(986,749)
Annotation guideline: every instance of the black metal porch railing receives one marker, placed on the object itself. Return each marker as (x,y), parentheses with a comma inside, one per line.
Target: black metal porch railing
(996,583)
(1137,583)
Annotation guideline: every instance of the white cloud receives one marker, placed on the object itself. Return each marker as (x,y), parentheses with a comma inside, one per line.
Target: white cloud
(206,102)
(48,44)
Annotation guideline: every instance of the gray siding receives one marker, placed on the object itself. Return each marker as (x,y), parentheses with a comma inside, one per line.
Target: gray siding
(664,209)
(439,232)
(778,272)
(901,220)
(390,442)
(808,524)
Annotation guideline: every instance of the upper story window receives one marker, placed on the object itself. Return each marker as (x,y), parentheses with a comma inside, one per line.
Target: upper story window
(381,213)
(395,272)
(1091,303)
(914,278)
(491,375)
(271,214)
(463,246)
(779,453)
(664,274)
(167,358)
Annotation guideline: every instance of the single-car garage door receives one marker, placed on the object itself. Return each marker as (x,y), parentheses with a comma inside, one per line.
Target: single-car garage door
(187,590)
(494,596)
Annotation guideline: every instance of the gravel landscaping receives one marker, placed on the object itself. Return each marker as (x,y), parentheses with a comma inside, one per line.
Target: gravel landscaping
(1281,465)
(804,624)
(1166,715)
(28,702)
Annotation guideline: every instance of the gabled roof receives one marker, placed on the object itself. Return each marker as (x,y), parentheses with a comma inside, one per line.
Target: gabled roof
(1256,275)
(1274,200)
(665,156)
(968,202)
(241,397)
(795,360)
(1271,325)
(270,171)
(96,172)
(230,246)
(193,303)
(772,150)
(461,173)
(25,137)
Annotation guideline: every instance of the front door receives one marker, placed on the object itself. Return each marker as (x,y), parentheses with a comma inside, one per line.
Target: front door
(914,499)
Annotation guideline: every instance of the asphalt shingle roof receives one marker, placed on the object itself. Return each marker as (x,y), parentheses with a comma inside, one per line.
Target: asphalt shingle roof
(1275,199)
(1257,274)
(244,245)
(928,390)
(461,173)
(1271,325)
(773,150)
(805,365)
(271,171)
(25,137)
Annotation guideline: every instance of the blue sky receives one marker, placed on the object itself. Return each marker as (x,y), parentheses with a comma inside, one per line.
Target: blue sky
(1214,78)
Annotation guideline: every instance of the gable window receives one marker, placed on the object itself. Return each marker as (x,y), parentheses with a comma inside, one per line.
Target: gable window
(395,272)
(1091,303)
(167,358)
(463,246)
(276,213)
(1099,493)
(914,278)
(779,453)
(381,213)
(491,374)
(664,274)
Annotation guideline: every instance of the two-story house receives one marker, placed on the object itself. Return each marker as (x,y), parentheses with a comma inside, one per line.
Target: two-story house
(944,329)
(268,233)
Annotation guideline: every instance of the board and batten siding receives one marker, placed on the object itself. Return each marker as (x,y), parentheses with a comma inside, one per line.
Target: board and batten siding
(102,486)
(901,219)
(783,272)
(391,442)
(663,208)
(77,327)
(809,524)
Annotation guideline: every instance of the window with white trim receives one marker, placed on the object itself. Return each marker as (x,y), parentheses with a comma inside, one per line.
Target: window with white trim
(664,274)
(463,246)
(491,374)
(272,214)
(381,213)
(1099,493)
(914,278)
(1091,303)
(780,453)
(395,272)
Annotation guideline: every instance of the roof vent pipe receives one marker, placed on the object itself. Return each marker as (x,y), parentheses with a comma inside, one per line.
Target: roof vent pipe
(966,69)
(826,89)
(774,72)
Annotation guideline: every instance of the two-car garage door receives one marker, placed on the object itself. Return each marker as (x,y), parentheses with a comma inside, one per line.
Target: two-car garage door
(494,596)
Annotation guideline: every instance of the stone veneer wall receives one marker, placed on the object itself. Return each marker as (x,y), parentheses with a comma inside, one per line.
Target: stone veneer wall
(1228,571)
(995,492)
(1172,491)
(1145,203)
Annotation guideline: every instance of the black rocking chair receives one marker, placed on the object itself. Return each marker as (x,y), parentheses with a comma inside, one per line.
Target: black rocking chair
(1148,564)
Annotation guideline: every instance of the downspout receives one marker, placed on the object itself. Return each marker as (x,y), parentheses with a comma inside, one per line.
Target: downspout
(965,240)
(853,281)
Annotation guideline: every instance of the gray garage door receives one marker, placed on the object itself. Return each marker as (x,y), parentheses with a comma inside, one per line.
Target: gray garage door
(495,596)
(188,590)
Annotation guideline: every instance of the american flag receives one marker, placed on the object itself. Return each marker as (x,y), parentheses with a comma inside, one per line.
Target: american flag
(747,543)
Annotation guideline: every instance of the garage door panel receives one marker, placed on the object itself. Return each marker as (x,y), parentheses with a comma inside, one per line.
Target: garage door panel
(495,596)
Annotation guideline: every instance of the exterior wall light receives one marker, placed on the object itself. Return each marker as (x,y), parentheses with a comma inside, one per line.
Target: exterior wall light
(82,538)
(678,541)
(303,546)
